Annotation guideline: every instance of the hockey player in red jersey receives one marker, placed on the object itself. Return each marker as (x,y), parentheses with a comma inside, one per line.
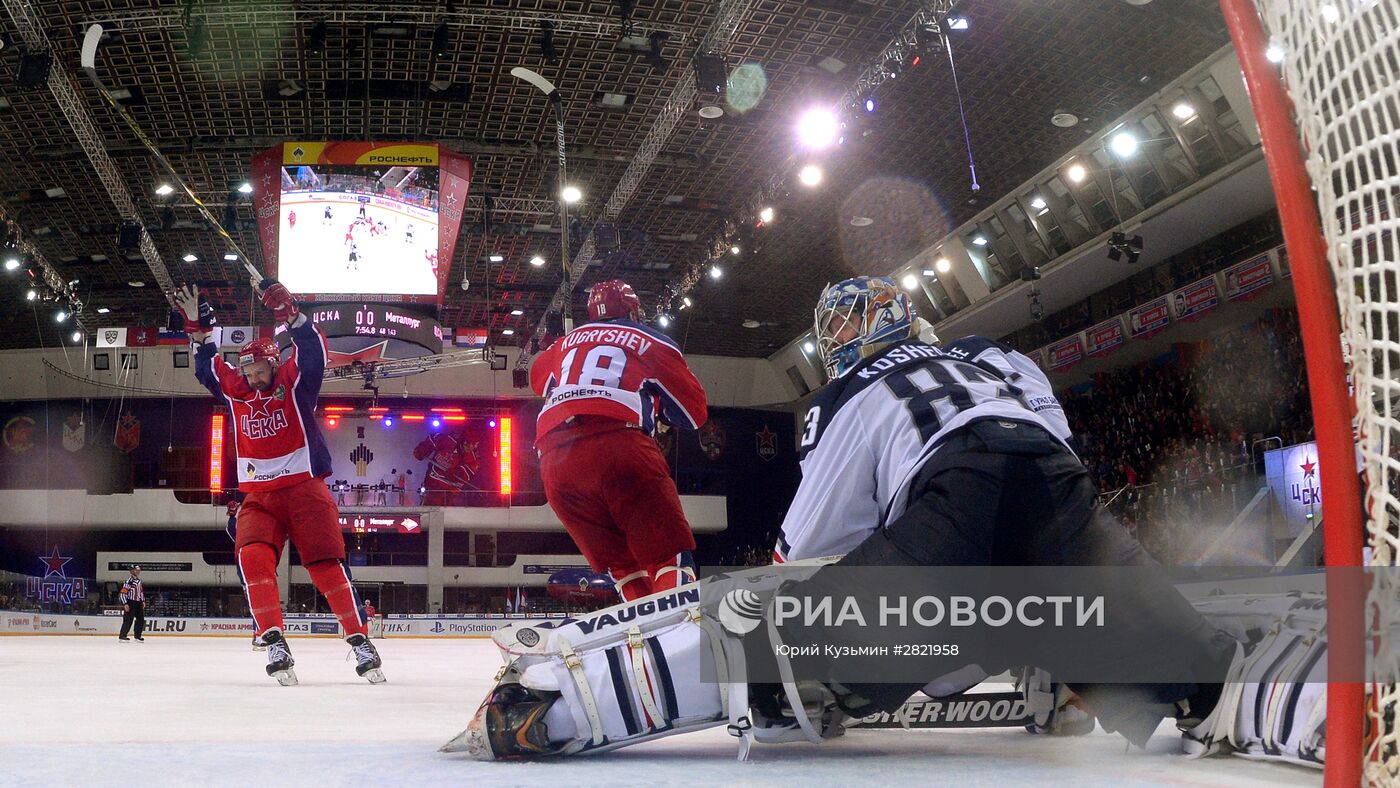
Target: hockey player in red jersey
(452,462)
(281,460)
(605,383)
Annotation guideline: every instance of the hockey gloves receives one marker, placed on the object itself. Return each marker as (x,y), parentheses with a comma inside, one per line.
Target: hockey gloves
(198,314)
(277,298)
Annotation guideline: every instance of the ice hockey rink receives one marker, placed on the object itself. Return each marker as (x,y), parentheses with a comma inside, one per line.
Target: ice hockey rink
(200,711)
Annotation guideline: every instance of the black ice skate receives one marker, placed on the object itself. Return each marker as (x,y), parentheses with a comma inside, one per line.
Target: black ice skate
(366,659)
(279,658)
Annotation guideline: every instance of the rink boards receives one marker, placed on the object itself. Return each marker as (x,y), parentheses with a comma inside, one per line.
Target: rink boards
(15,623)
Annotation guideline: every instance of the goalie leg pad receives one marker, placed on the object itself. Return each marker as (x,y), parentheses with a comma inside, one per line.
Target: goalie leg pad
(1273,705)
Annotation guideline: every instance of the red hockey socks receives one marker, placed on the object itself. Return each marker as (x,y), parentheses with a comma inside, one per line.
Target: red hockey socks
(670,574)
(633,585)
(333,581)
(258,562)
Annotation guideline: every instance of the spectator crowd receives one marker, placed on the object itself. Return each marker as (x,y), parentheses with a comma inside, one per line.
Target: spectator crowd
(1172,441)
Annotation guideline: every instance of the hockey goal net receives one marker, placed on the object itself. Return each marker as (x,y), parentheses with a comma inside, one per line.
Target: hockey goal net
(1324,80)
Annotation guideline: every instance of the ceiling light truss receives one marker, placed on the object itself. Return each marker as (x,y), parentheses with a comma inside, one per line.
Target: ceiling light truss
(852,100)
(508,19)
(61,84)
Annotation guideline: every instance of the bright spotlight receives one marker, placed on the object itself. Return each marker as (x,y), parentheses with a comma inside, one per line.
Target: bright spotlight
(164,189)
(910,282)
(979,240)
(571,194)
(1274,54)
(735,249)
(686,301)
(1123,144)
(1038,204)
(716,272)
(537,261)
(808,347)
(870,104)
(61,316)
(811,175)
(437,423)
(663,321)
(1184,111)
(11,263)
(245,188)
(509,332)
(77,337)
(190,257)
(766,215)
(817,128)
(388,422)
(942,265)
(31,295)
(1076,172)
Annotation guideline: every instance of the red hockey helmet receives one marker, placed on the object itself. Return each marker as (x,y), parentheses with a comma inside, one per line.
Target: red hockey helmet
(261,349)
(612,299)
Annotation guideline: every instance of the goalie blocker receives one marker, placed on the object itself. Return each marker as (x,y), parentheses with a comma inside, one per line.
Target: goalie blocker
(632,673)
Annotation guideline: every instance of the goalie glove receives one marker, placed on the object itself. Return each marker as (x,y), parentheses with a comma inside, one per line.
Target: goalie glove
(276,297)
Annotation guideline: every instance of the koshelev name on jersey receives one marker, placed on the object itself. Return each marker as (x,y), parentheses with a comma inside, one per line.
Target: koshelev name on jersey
(900,354)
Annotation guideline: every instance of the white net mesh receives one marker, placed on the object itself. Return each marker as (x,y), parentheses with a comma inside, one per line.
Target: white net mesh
(1341,66)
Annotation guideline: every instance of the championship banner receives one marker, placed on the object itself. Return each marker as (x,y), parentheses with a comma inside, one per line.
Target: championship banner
(1105,337)
(454,182)
(1149,319)
(111,337)
(1065,353)
(1194,300)
(1247,280)
(267,202)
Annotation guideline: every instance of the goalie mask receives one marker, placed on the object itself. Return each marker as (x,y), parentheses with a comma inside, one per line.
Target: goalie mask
(858,316)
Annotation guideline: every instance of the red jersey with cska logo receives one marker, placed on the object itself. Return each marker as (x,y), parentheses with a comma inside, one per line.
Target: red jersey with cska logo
(275,431)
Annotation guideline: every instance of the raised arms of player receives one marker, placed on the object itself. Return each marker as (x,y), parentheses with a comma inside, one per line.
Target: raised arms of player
(835,507)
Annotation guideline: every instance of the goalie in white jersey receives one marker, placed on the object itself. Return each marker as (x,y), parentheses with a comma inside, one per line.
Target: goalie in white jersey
(913,456)
(891,402)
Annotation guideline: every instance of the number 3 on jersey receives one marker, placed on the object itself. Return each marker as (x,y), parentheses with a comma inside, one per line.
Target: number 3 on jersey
(602,366)
(809,431)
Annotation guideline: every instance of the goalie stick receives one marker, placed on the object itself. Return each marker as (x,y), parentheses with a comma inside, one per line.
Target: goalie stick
(88,59)
(964,710)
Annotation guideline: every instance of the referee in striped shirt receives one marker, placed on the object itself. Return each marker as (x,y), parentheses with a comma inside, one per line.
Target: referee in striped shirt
(133,606)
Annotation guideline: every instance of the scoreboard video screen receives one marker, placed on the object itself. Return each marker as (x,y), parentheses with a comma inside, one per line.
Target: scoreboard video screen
(359,230)
(360,220)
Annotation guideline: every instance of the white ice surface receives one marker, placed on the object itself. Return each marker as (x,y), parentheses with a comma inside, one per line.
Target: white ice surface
(201,712)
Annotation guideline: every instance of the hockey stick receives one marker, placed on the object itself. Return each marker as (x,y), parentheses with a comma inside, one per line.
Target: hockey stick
(89,64)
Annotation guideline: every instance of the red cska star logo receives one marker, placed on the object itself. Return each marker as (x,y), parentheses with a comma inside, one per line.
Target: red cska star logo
(1308,467)
(54,563)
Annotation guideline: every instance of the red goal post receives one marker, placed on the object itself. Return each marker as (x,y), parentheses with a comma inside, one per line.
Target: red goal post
(1325,91)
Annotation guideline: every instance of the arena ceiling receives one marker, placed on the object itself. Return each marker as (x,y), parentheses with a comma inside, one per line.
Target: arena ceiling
(211,99)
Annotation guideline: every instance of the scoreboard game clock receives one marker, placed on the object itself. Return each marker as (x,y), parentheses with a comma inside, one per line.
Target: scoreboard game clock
(378,321)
